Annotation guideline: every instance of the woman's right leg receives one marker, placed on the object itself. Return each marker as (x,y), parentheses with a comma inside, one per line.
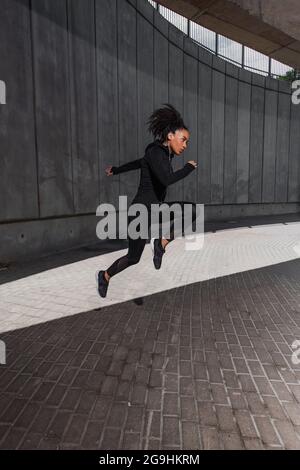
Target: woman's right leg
(133,256)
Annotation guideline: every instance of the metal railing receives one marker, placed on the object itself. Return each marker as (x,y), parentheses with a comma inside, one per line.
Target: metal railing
(227,49)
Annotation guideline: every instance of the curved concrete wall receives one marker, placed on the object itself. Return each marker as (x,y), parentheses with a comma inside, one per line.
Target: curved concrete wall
(83,76)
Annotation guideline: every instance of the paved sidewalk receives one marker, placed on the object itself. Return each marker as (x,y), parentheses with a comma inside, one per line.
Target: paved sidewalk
(64,285)
(202,361)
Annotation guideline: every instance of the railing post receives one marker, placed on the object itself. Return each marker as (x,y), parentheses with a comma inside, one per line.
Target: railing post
(2,92)
(243,56)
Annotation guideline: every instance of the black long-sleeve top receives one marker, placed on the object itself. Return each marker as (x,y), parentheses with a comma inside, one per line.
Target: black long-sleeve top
(156,173)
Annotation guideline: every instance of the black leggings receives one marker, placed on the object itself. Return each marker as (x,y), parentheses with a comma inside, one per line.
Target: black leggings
(136,247)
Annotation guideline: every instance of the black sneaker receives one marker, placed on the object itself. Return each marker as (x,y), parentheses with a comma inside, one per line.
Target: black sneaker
(158,252)
(102,283)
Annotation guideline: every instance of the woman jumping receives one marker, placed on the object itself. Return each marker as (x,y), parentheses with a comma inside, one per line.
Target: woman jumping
(171,137)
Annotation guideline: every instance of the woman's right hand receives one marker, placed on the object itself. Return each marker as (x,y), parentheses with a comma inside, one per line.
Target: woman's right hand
(108,171)
(192,162)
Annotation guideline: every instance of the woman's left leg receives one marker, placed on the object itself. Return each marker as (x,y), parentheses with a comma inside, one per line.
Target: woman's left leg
(159,245)
(172,236)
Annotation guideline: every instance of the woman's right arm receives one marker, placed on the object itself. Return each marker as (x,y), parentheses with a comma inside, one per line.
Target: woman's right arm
(116,170)
(134,165)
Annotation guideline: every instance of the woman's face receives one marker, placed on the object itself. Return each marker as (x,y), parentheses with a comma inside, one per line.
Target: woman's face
(178,141)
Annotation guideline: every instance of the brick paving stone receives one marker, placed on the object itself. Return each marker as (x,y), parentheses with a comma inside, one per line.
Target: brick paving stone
(56,396)
(253,444)
(134,420)
(207,414)
(287,433)
(12,440)
(27,415)
(188,408)
(13,410)
(155,379)
(226,419)
(245,424)
(117,415)
(275,408)
(293,411)
(232,441)
(271,372)
(154,401)
(95,381)
(295,389)
(42,420)
(171,404)
(4,428)
(50,444)
(255,368)
(282,391)
(58,425)
(71,399)
(81,378)
(203,391)
(75,430)
(142,375)
(31,441)
(92,434)
(231,379)
(109,386)
(247,383)
(154,423)
(267,431)
(200,371)
(264,386)
(219,394)
(171,383)
(237,400)
(154,444)
(131,441)
(186,386)
(210,439)
(190,436)
(111,439)
(171,433)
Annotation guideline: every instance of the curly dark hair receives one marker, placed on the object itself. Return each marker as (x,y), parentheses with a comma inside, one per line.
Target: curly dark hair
(165,120)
